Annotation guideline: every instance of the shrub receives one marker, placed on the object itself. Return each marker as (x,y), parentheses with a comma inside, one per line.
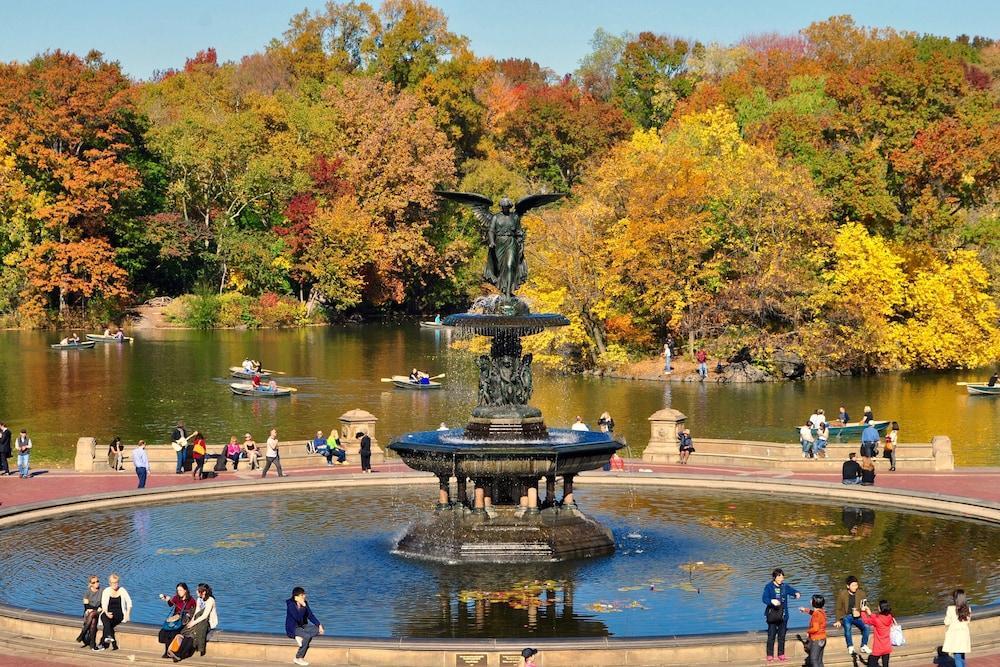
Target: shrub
(272,310)
(204,310)
(236,310)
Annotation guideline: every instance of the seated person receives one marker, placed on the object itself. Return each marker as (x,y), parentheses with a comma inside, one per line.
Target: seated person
(74,339)
(337,450)
(425,378)
(272,386)
(617,462)
(318,446)
(247,365)
(257,366)
(992,383)
(867,473)
(414,376)
(119,335)
(255,381)
(107,331)
(851,471)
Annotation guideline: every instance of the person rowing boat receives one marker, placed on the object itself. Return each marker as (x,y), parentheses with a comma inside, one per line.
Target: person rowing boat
(419,377)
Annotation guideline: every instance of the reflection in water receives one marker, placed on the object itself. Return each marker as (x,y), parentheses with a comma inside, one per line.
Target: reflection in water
(140,390)
(686,562)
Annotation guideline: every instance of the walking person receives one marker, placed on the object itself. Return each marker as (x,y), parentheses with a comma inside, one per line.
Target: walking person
(817,630)
(117,608)
(889,448)
(271,455)
(848,613)
(775,599)
(140,459)
(5,449)
(807,440)
(365,451)
(957,640)
(667,370)
(23,445)
(178,440)
(116,454)
(91,613)
(702,358)
(198,451)
(298,616)
(881,623)
(182,606)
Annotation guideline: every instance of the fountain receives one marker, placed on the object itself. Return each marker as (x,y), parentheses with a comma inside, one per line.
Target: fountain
(506,450)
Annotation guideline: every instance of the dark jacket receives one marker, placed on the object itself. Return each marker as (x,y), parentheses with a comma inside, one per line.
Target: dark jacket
(843,602)
(366,445)
(851,470)
(297,617)
(5,444)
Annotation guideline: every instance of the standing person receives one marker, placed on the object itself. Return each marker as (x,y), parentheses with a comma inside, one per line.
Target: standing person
(606,423)
(298,616)
(140,459)
(182,606)
(822,437)
(848,613)
(205,618)
(667,370)
(775,599)
(702,358)
(91,613)
(869,441)
(817,630)
(685,445)
(117,608)
(889,449)
(957,641)
(851,470)
(881,624)
(5,449)
(23,445)
(807,440)
(234,451)
(178,440)
(116,454)
(365,451)
(272,455)
(198,451)
(253,453)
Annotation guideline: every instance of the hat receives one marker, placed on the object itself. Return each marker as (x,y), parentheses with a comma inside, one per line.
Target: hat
(528,652)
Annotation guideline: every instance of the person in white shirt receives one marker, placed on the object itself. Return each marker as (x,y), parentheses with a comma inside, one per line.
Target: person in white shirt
(271,455)
(817,418)
(807,440)
(578,425)
(443,427)
(205,618)
(140,459)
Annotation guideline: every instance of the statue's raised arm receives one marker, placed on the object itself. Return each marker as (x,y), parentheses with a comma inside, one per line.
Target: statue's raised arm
(505,266)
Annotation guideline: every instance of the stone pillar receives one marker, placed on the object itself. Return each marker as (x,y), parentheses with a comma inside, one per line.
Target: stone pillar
(444,491)
(85,450)
(567,498)
(522,492)
(664,427)
(352,423)
(533,498)
(463,494)
(550,491)
(479,495)
(941,451)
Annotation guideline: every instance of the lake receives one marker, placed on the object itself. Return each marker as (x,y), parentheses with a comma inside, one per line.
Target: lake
(139,390)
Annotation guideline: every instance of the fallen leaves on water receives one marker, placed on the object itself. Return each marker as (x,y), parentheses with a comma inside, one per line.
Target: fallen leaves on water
(724,521)
(233,544)
(245,536)
(701,566)
(616,607)
(521,595)
(807,522)
(178,551)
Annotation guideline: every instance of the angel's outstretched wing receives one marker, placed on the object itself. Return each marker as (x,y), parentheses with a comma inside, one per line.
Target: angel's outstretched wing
(525,204)
(480,204)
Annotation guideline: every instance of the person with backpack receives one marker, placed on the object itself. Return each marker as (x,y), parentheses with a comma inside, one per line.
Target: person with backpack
(775,599)
(881,624)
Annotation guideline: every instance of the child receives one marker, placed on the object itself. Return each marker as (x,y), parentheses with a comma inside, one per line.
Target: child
(881,623)
(817,630)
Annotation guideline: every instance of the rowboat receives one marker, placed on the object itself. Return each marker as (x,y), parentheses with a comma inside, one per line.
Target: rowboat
(101,338)
(853,428)
(238,372)
(983,389)
(403,382)
(247,389)
(73,346)
(432,325)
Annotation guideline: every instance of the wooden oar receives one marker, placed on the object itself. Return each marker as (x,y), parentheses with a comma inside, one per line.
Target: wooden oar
(436,377)
(963,384)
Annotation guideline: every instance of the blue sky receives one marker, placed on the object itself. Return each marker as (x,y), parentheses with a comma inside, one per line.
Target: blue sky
(146,35)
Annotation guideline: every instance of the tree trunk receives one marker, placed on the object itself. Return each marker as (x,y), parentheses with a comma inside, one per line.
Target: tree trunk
(222,282)
(691,343)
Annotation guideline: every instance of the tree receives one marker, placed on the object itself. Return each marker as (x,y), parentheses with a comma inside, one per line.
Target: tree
(70,271)
(650,78)
(598,69)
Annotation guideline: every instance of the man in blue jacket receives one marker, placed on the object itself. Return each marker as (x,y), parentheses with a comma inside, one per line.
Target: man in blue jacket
(869,441)
(298,615)
(775,596)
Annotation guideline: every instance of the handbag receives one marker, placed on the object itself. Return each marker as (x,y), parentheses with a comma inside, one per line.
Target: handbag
(173,622)
(774,614)
(896,634)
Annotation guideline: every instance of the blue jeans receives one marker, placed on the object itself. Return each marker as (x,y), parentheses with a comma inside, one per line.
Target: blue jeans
(22,465)
(666,364)
(305,635)
(856,480)
(703,369)
(806,446)
(180,460)
(820,445)
(849,623)
(959,659)
(141,474)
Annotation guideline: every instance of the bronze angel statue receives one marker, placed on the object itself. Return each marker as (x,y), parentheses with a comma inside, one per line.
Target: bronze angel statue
(506,268)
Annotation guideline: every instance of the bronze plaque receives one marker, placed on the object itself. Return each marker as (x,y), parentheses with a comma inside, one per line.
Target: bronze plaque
(508,659)
(470,660)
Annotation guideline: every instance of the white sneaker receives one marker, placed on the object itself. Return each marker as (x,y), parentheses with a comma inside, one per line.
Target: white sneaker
(865,649)
(298,641)
(300,661)
(851,651)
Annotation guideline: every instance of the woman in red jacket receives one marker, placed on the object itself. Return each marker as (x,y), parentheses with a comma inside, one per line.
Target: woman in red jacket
(881,623)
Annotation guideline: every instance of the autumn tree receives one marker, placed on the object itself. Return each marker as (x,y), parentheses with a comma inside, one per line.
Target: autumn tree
(650,77)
